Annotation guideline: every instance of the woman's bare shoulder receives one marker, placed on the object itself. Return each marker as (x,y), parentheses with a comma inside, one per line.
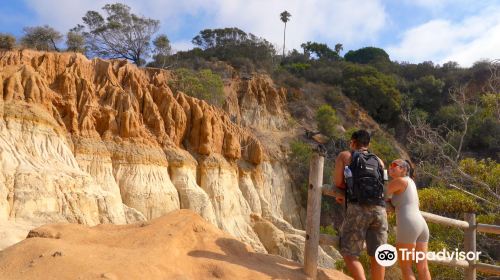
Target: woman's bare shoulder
(400,180)
(397,185)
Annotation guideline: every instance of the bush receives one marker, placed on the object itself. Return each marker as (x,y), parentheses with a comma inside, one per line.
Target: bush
(202,84)
(7,41)
(297,68)
(486,170)
(383,148)
(374,91)
(427,93)
(299,157)
(327,121)
(334,96)
(329,74)
(367,55)
(227,44)
(328,230)
(283,78)
(242,64)
(447,202)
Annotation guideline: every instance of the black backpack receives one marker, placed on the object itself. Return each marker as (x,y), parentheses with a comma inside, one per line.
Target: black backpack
(367,185)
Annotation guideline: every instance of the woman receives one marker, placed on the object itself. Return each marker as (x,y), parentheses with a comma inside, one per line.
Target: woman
(412,232)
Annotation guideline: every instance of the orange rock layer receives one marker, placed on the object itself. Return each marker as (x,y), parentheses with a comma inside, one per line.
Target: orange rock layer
(116,101)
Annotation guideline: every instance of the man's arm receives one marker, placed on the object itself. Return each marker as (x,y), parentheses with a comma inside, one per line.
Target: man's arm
(342,160)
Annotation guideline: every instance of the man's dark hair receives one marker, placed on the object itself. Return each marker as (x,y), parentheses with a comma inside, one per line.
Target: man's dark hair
(362,138)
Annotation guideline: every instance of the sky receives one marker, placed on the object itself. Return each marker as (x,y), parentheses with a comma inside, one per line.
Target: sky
(464,31)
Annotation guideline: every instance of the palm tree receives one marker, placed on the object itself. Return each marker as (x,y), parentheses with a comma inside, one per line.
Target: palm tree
(285,17)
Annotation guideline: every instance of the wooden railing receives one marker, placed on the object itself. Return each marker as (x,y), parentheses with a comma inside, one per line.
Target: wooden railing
(314,238)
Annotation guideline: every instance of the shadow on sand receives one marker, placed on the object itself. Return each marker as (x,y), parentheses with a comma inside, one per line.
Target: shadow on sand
(236,252)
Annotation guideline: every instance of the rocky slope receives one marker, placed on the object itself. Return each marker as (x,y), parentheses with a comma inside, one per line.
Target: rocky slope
(95,141)
(179,245)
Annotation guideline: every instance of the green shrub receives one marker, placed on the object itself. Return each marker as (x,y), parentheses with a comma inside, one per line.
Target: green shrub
(373,90)
(443,201)
(327,120)
(334,96)
(367,55)
(486,170)
(203,84)
(328,74)
(7,41)
(297,68)
(236,46)
(383,148)
(328,230)
(298,164)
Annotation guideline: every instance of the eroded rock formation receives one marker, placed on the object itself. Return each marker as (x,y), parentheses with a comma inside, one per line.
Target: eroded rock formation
(95,141)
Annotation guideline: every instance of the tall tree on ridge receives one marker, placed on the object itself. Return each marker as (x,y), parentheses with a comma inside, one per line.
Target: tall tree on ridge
(121,34)
(338,48)
(42,38)
(285,17)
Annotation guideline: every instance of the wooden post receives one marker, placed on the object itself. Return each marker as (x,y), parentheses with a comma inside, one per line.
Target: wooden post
(470,244)
(313,215)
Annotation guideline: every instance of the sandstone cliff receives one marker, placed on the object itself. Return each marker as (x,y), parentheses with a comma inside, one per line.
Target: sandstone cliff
(95,141)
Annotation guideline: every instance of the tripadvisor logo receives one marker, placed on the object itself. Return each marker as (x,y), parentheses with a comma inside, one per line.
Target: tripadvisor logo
(386,255)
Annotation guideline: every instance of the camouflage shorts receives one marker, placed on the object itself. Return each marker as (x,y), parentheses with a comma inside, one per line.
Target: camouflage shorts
(363,222)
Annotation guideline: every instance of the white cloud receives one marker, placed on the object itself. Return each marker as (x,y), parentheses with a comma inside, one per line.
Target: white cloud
(474,38)
(61,14)
(64,14)
(348,22)
(353,23)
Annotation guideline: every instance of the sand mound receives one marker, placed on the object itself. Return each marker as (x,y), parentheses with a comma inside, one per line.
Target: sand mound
(180,245)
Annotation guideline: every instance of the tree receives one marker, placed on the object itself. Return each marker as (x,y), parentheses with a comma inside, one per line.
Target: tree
(162,50)
(367,55)
(75,41)
(121,34)
(285,17)
(7,41)
(373,90)
(443,146)
(221,37)
(42,38)
(321,51)
(338,48)
(235,46)
(427,93)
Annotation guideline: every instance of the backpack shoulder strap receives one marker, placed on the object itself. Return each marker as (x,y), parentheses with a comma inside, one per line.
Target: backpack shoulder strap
(354,156)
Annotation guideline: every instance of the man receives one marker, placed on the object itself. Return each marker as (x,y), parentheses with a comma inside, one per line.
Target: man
(365,218)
